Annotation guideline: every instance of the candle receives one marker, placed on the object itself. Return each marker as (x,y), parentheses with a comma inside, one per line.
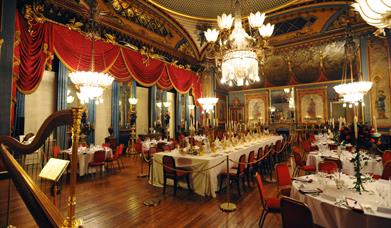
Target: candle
(340,122)
(355,128)
(374,123)
(333,122)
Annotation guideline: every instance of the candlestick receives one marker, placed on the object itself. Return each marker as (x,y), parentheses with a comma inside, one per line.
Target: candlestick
(374,123)
(355,128)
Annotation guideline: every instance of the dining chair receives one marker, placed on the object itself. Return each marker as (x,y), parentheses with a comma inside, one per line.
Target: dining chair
(235,174)
(170,171)
(386,170)
(269,205)
(386,156)
(300,163)
(98,161)
(121,150)
(336,160)
(166,148)
(251,167)
(115,157)
(56,151)
(284,181)
(259,158)
(295,214)
(327,167)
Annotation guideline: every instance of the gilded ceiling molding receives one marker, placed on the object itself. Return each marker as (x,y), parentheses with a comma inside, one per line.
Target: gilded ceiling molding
(33,13)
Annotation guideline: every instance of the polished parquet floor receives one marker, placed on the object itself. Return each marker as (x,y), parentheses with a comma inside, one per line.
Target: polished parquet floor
(116,199)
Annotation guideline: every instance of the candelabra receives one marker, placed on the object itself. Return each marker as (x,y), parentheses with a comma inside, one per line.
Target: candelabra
(132,117)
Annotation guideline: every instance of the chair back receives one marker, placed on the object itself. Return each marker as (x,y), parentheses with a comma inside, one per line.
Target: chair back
(138,147)
(251,159)
(283,175)
(295,214)
(328,167)
(336,160)
(306,146)
(386,156)
(260,153)
(120,149)
(169,165)
(242,165)
(297,156)
(105,144)
(312,137)
(99,156)
(56,151)
(166,148)
(386,170)
(261,190)
(266,150)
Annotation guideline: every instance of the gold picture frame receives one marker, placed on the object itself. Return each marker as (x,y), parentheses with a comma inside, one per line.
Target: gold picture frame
(257,107)
(312,105)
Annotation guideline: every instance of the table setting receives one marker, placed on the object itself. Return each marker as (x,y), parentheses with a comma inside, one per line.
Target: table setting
(332,197)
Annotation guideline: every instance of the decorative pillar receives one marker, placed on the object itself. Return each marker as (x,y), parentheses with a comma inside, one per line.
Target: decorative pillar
(187,112)
(6,60)
(365,73)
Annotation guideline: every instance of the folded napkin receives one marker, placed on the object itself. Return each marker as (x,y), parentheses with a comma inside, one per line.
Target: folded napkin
(386,210)
(354,205)
(310,190)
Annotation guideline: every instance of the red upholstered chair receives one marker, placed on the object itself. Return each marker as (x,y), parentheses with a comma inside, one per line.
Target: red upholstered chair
(166,148)
(300,163)
(312,137)
(335,160)
(56,151)
(284,181)
(270,205)
(171,171)
(251,167)
(98,161)
(386,156)
(295,214)
(306,144)
(235,174)
(386,171)
(116,157)
(327,167)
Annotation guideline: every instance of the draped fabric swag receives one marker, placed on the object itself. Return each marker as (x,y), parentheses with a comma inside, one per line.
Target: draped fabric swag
(35,50)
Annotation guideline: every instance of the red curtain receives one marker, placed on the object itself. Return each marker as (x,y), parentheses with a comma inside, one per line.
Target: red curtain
(74,50)
(32,52)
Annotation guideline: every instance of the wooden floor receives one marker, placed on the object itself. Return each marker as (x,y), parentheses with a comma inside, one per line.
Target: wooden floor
(117,200)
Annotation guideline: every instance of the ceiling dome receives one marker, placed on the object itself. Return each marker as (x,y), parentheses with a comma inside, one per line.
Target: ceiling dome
(209,10)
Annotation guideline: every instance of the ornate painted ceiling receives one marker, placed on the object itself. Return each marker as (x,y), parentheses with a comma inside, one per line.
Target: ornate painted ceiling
(210,9)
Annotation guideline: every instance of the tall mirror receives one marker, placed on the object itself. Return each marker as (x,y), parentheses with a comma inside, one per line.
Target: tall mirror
(339,109)
(282,108)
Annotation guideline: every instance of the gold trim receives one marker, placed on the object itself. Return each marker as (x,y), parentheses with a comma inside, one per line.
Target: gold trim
(298,86)
(211,19)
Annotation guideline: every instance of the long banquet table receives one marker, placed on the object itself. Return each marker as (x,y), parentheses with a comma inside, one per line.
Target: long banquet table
(329,209)
(206,183)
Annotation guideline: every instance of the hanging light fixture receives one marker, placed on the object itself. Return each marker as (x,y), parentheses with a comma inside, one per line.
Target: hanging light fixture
(91,84)
(237,53)
(208,103)
(352,92)
(375,12)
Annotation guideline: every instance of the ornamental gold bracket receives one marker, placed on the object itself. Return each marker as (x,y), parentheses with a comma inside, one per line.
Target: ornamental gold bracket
(33,13)
(74,25)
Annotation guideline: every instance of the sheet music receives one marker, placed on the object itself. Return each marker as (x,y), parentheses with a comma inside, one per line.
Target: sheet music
(53,169)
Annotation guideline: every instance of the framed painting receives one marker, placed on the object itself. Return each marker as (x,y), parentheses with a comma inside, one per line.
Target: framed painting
(221,108)
(312,106)
(236,111)
(379,71)
(257,107)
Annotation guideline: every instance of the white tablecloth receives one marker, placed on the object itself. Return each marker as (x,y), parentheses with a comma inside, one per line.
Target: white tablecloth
(327,214)
(85,155)
(373,165)
(206,183)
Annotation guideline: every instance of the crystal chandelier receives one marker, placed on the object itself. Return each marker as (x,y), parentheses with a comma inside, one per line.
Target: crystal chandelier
(91,84)
(235,51)
(375,12)
(352,92)
(208,104)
